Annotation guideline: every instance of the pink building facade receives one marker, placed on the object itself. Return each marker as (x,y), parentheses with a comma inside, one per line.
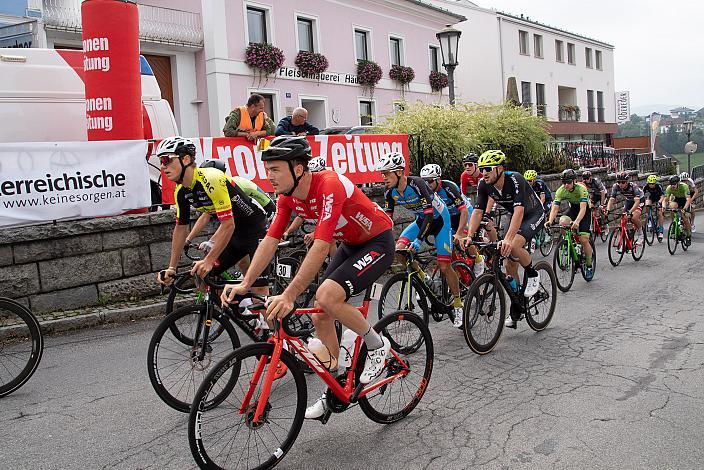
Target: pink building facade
(386,31)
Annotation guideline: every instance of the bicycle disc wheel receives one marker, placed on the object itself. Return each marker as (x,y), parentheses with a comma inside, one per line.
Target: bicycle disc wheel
(21,345)
(411,351)
(672,238)
(541,307)
(638,245)
(564,266)
(225,437)
(484,314)
(546,245)
(615,244)
(175,368)
(398,294)
(583,265)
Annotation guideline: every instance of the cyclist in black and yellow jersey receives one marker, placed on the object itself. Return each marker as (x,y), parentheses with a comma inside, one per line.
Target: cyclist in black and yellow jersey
(209,190)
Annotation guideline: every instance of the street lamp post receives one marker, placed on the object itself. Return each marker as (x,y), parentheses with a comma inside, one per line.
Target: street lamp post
(449,41)
(690,147)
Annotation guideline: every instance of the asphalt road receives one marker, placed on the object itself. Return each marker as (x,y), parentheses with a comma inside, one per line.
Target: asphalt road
(614,382)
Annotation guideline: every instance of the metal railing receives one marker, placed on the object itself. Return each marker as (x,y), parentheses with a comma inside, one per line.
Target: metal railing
(588,154)
(541,109)
(156,24)
(568,113)
(697,172)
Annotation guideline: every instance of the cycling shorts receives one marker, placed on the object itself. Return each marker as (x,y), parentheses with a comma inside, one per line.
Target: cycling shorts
(531,223)
(628,205)
(241,245)
(440,228)
(585,223)
(356,267)
(681,201)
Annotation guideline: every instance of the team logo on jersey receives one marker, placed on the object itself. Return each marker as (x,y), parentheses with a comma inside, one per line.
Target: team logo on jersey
(327,207)
(363,220)
(395,198)
(367,261)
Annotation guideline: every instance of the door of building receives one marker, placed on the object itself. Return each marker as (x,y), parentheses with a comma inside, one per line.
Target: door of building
(317,114)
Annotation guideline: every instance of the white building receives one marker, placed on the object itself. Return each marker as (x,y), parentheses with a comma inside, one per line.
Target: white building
(566,77)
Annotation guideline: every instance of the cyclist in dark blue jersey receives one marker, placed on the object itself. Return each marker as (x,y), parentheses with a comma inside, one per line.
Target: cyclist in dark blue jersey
(432,218)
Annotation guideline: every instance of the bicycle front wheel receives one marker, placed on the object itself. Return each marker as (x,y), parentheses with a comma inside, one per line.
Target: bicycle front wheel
(177,368)
(604,231)
(672,238)
(564,266)
(547,243)
(226,435)
(541,307)
(616,247)
(649,228)
(21,345)
(638,245)
(410,360)
(399,294)
(484,314)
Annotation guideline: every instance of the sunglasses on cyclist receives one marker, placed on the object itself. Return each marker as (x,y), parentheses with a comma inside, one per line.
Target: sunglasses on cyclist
(487,169)
(166,159)
(429,180)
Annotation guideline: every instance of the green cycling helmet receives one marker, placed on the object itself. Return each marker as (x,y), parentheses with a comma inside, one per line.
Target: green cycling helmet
(652,179)
(530,175)
(491,158)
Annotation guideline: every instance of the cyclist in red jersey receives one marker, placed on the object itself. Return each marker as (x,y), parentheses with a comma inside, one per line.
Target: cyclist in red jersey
(342,213)
(470,175)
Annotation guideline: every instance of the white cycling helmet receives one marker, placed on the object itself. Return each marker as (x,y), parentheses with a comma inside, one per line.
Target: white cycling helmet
(684,175)
(431,170)
(391,161)
(177,145)
(316,164)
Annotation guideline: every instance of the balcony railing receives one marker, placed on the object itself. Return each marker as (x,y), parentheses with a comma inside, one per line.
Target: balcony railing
(569,112)
(528,105)
(156,24)
(542,109)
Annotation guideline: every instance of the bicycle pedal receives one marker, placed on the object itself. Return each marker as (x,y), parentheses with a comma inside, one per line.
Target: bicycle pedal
(325,417)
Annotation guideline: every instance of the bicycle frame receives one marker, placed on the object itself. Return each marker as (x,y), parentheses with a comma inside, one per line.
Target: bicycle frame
(413,272)
(572,238)
(347,394)
(623,232)
(516,297)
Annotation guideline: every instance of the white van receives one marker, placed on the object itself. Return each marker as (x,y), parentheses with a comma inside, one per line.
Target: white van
(42,99)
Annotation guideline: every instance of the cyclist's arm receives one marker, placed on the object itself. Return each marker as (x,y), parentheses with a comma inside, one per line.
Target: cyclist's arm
(178,240)
(389,203)
(426,197)
(553,210)
(582,212)
(636,203)
(542,198)
(199,226)
(309,268)
(220,239)
(475,220)
(484,202)
(515,224)
(688,203)
(603,196)
(295,225)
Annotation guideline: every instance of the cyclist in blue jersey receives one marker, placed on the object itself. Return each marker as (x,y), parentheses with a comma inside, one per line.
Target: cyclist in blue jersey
(432,218)
(459,206)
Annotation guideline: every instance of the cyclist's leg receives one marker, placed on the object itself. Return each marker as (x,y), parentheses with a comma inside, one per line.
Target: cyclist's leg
(442,231)
(661,216)
(529,226)
(584,232)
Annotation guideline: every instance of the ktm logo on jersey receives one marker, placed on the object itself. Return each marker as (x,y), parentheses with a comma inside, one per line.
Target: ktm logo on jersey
(327,207)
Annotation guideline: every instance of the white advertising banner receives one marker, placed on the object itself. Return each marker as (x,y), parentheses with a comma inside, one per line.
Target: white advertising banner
(44,181)
(623,106)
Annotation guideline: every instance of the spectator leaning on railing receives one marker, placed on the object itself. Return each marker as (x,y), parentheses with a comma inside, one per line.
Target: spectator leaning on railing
(296,124)
(249,121)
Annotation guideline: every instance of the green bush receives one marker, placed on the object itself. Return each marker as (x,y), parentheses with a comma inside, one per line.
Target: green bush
(447,133)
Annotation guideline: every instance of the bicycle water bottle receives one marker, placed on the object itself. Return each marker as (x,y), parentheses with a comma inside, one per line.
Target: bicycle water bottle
(347,348)
(321,352)
(513,284)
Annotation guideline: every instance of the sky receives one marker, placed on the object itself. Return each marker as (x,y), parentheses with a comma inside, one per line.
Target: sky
(659,45)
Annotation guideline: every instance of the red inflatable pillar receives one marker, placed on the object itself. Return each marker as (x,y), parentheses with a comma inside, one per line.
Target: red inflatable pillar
(111,64)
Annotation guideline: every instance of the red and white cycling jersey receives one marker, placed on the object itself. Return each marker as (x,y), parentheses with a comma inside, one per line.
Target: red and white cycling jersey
(340,209)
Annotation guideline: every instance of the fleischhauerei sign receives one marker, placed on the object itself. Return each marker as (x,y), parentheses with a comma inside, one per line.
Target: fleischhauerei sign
(327,77)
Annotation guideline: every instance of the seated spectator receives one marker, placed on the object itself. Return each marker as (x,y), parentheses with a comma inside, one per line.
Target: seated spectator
(296,124)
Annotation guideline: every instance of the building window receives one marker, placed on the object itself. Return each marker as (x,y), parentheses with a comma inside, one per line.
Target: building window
(525,95)
(597,56)
(590,106)
(256,25)
(434,52)
(559,51)
(305,34)
(366,113)
(523,42)
(361,44)
(541,107)
(600,106)
(570,54)
(538,46)
(396,51)
(588,57)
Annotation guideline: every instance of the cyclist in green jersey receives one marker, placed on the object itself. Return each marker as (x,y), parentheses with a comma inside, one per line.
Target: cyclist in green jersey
(579,212)
(677,194)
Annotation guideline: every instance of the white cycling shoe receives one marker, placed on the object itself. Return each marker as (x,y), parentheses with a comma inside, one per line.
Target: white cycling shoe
(376,360)
(317,409)
(532,286)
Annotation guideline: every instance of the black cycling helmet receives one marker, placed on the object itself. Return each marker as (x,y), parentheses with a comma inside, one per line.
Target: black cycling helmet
(471,157)
(568,175)
(674,179)
(289,148)
(622,176)
(586,174)
(219,164)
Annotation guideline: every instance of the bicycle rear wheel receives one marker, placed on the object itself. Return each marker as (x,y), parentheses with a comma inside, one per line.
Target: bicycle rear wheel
(672,238)
(21,345)
(174,366)
(541,307)
(226,437)
(616,247)
(412,352)
(564,266)
(604,231)
(649,228)
(398,294)
(484,314)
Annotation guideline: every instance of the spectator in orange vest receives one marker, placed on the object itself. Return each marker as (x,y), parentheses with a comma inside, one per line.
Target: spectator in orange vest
(249,121)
